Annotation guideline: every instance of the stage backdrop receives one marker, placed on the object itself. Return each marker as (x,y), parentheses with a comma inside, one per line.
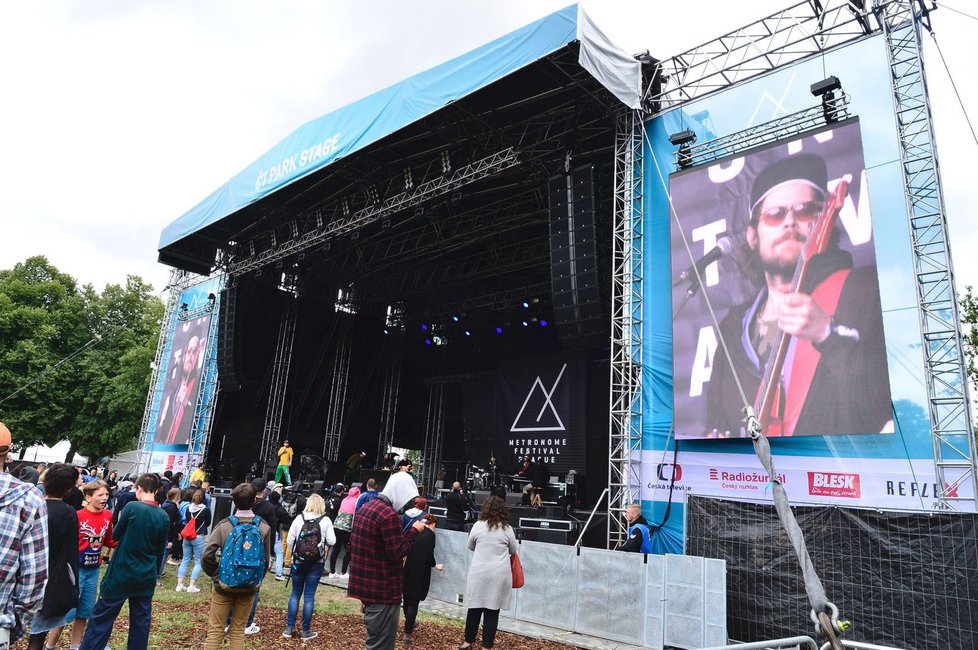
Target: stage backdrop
(542,412)
(894,471)
(187,360)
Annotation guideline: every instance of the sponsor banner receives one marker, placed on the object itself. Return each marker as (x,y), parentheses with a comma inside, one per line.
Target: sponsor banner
(883,483)
(175,461)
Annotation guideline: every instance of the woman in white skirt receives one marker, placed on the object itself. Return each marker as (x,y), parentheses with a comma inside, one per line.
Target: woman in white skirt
(490,582)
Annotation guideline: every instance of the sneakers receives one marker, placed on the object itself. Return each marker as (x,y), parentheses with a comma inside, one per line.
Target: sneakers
(181,587)
(252,629)
(226,628)
(173,562)
(281,578)
(407,639)
(307,636)
(288,632)
(333,575)
(192,589)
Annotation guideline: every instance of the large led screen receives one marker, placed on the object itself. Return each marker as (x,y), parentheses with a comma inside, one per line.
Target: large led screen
(778,242)
(175,419)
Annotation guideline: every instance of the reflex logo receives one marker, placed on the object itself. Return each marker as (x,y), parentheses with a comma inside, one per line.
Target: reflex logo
(831,484)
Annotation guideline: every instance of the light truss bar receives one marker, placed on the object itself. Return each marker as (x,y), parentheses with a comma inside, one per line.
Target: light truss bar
(179,281)
(278,387)
(486,303)
(772,131)
(952,430)
(625,426)
(433,436)
(335,224)
(391,390)
(787,36)
(335,425)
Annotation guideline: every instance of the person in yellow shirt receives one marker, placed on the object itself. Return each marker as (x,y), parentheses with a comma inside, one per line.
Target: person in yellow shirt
(198,475)
(284,462)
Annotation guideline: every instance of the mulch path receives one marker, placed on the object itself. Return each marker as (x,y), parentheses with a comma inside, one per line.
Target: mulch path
(338,632)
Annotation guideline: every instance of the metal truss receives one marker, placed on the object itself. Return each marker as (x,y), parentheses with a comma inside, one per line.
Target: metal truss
(486,303)
(391,390)
(335,424)
(807,28)
(331,221)
(179,281)
(433,436)
(944,370)
(278,387)
(625,427)
(785,126)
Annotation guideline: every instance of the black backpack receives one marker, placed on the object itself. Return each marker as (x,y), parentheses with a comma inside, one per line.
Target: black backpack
(309,546)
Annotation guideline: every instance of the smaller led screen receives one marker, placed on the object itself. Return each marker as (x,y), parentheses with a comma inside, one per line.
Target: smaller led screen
(182,383)
(779,241)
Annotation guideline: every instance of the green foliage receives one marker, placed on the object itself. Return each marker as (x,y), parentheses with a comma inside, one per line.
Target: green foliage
(95,399)
(969,319)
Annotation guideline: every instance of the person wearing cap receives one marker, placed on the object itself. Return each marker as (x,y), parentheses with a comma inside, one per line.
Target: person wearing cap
(834,379)
(378,547)
(23,550)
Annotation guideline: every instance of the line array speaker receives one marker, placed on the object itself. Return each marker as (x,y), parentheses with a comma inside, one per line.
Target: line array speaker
(573,254)
(228,368)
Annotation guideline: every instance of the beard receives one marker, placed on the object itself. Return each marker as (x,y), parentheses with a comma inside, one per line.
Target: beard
(783,258)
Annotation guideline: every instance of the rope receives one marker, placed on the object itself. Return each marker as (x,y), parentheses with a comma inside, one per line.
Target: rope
(954,85)
(37,377)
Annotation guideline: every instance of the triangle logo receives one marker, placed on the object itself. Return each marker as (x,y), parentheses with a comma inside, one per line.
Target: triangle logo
(538,412)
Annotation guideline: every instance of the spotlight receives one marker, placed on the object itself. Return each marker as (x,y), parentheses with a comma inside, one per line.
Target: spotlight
(211,298)
(543,323)
(385,224)
(184,307)
(424,327)
(499,330)
(525,324)
(386,331)
(355,235)
(427,341)
(455,318)
(468,333)
(684,140)
(437,340)
(419,212)
(526,305)
(826,90)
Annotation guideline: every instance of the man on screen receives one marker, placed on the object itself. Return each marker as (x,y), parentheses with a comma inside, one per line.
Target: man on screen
(181,394)
(834,378)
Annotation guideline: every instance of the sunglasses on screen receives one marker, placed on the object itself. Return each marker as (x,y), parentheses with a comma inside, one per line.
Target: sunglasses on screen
(802,211)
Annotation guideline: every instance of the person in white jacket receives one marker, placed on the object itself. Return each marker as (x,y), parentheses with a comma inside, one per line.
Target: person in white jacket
(309,551)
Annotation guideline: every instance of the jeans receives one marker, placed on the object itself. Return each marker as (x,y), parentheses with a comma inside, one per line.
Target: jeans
(304,584)
(87,593)
(225,604)
(489,624)
(251,614)
(192,549)
(279,554)
(103,616)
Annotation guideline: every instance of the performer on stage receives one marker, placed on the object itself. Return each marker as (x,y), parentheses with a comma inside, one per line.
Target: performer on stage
(455,508)
(493,470)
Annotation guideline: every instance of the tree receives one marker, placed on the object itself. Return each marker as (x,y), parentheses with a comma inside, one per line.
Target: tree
(79,359)
(969,318)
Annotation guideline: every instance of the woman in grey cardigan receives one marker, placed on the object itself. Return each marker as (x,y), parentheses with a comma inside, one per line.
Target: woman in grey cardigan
(490,580)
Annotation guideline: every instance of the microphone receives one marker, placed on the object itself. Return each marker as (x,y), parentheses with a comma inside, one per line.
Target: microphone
(723,247)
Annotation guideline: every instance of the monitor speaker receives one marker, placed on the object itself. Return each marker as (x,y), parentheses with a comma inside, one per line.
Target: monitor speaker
(573,255)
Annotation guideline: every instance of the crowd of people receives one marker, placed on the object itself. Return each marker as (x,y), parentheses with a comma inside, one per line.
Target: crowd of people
(385,537)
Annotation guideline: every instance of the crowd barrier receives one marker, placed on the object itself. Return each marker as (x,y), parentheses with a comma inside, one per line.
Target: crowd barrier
(650,600)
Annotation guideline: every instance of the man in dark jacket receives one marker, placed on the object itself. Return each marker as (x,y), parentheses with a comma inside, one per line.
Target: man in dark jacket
(639,535)
(455,508)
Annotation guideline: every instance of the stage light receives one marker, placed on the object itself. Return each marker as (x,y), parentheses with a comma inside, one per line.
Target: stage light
(385,224)
(455,318)
(386,331)
(446,163)
(826,90)
(184,307)
(525,324)
(526,305)
(543,323)
(437,340)
(499,330)
(355,235)
(468,333)
(419,212)
(456,197)
(424,327)
(684,140)
(211,298)
(427,341)
(301,257)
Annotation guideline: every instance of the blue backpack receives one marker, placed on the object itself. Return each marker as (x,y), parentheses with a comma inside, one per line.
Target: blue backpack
(242,564)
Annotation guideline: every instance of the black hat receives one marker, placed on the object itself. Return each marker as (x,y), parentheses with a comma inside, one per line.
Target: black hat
(806,168)
(259,484)
(404,462)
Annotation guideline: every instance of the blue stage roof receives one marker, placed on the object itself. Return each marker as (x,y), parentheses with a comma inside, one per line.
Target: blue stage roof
(323,141)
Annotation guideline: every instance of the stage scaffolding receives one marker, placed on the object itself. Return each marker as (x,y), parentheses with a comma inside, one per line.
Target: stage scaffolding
(335,425)
(947,384)
(433,436)
(391,390)
(625,427)
(278,387)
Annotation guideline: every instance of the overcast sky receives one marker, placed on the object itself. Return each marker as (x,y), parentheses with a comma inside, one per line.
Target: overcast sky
(119,116)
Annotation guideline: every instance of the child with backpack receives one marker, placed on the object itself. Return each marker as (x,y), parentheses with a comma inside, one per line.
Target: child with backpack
(310,538)
(236,556)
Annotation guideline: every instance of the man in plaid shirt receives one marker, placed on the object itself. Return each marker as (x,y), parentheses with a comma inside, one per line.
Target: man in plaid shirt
(23,549)
(378,546)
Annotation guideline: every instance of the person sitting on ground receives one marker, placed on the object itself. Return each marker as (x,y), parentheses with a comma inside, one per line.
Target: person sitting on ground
(229,598)
(367,495)
(312,526)
(417,574)
(60,593)
(131,576)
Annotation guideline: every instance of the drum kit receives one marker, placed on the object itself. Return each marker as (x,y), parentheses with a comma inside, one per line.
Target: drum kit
(477,478)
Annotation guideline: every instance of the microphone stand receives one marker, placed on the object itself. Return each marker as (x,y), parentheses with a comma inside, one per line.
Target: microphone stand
(692,290)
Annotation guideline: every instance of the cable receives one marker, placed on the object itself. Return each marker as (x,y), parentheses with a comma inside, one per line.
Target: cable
(957,11)
(37,377)
(954,86)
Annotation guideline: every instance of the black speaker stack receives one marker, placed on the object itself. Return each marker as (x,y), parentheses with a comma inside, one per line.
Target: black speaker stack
(573,255)
(228,367)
